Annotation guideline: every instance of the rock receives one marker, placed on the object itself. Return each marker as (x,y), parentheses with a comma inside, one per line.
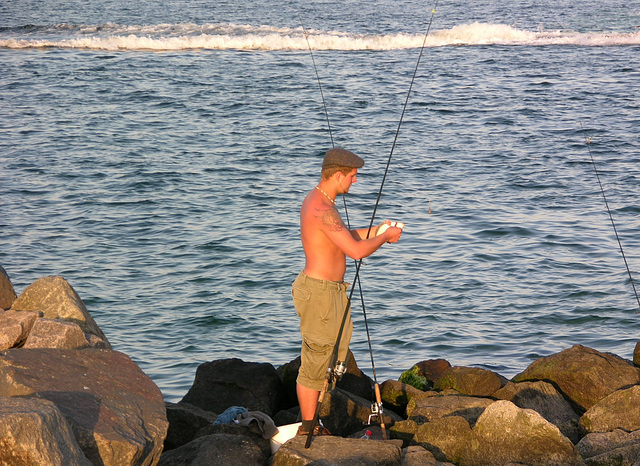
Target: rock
(619,410)
(507,434)
(33,432)
(55,297)
(636,355)
(412,377)
(427,409)
(288,416)
(7,293)
(216,449)
(337,451)
(115,411)
(405,431)
(53,333)
(396,395)
(470,381)
(415,455)
(185,420)
(288,374)
(432,369)
(543,398)
(15,328)
(344,413)
(355,381)
(223,383)
(606,448)
(446,437)
(584,375)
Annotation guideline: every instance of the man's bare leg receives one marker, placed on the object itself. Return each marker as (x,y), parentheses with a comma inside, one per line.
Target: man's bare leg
(308,399)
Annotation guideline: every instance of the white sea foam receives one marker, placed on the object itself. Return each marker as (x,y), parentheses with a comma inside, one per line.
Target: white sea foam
(169,37)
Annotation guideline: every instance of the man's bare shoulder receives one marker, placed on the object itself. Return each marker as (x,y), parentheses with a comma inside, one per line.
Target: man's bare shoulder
(325,217)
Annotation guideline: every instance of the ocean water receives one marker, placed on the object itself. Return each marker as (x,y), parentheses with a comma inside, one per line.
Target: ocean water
(155,154)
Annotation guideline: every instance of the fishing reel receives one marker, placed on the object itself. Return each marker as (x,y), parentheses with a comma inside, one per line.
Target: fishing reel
(376,412)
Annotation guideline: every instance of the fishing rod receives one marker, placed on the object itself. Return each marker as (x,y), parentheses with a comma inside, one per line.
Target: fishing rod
(606,203)
(334,355)
(376,408)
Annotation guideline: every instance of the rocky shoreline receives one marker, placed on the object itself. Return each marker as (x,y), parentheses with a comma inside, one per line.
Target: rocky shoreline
(66,397)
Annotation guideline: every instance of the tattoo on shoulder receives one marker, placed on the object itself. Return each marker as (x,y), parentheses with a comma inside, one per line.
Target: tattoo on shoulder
(330,219)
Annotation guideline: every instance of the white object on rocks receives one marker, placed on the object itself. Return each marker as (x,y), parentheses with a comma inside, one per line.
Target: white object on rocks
(285,433)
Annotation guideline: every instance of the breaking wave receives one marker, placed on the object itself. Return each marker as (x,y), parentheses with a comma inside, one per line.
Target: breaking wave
(172,37)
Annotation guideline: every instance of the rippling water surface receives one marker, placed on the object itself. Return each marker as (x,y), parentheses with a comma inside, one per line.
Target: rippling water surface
(156,155)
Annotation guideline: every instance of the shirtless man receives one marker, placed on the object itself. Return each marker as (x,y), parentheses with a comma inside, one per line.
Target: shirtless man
(319,292)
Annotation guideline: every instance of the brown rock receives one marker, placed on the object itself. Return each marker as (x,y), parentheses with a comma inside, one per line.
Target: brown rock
(584,375)
(34,432)
(53,333)
(337,451)
(506,434)
(636,355)
(601,445)
(543,398)
(15,327)
(432,369)
(396,395)
(427,409)
(619,410)
(55,297)
(7,293)
(470,381)
(115,411)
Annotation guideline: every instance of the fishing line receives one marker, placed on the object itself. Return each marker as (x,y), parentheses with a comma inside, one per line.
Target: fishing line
(606,203)
(334,355)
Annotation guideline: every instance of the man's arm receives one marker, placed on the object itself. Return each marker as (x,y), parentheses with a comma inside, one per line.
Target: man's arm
(337,232)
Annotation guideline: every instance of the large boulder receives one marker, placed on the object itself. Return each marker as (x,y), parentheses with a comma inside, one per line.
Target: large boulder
(7,293)
(432,369)
(223,383)
(344,413)
(57,299)
(427,409)
(337,451)
(543,398)
(115,411)
(34,432)
(470,381)
(584,375)
(217,449)
(506,434)
(619,410)
(606,448)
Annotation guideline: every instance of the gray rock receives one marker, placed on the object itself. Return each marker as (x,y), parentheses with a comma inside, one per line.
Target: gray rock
(470,381)
(15,328)
(584,375)
(344,413)
(337,451)
(7,293)
(619,410)
(636,355)
(427,409)
(185,420)
(115,411)
(54,333)
(57,299)
(507,434)
(602,444)
(222,449)
(223,383)
(34,432)
(543,398)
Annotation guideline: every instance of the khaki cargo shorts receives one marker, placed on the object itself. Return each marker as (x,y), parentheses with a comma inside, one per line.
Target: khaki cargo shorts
(320,304)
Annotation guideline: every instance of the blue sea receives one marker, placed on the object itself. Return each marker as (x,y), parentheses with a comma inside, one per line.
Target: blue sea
(155,154)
